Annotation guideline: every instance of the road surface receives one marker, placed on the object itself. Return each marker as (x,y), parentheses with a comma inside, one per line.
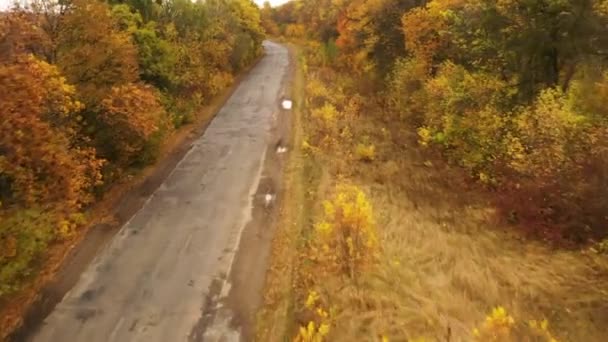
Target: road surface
(153,281)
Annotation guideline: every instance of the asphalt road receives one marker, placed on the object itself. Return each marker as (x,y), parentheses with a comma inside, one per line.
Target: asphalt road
(153,281)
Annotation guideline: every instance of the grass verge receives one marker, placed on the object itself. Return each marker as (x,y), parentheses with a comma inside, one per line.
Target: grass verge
(275,320)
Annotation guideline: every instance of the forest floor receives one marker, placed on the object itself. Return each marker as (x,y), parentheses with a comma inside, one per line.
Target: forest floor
(65,261)
(446,262)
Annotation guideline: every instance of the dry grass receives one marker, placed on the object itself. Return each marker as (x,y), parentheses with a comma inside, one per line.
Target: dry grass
(447,262)
(438,275)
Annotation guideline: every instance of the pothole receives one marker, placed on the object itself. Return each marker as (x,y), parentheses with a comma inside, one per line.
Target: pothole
(280,148)
(267,194)
(269,199)
(287,104)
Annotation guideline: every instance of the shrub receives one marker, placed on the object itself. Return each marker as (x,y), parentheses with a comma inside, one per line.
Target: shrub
(219,81)
(312,333)
(314,53)
(243,52)
(366,152)
(500,326)
(463,116)
(557,156)
(547,132)
(326,125)
(318,93)
(319,326)
(345,240)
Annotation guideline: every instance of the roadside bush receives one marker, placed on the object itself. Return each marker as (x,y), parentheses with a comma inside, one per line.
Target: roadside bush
(312,333)
(319,325)
(326,118)
(345,240)
(326,121)
(219,81)
(317,93)
(588,92)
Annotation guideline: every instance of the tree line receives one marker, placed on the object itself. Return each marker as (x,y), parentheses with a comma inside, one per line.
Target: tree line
(512,91)
(90,89)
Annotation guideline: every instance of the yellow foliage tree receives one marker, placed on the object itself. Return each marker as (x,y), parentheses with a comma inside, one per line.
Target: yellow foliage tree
(345,240)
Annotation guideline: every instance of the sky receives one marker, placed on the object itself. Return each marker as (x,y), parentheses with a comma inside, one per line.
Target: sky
(7,3)
(4,4)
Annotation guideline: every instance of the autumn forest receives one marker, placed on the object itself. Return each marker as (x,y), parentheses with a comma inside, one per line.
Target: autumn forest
(447,178)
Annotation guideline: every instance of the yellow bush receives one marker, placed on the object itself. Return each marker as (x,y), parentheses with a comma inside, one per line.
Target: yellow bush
(548,132)
(498,326)
(312,333)
(317,92)
(463,116)
(326,126)
(541,330)
(326,116)
(425,136)
(345,239)
(316,330)
(366,152)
